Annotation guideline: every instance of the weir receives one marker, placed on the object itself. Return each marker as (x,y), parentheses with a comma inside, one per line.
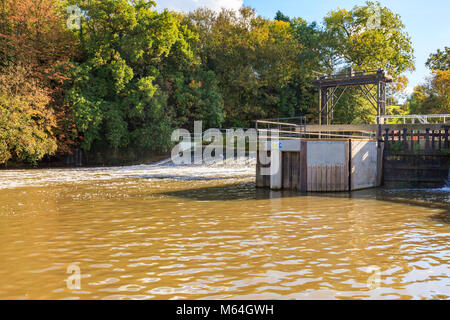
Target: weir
(418,158)
(328,158)
(321,165)
(335,158)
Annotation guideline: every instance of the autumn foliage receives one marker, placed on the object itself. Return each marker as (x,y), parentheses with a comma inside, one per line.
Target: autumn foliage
(433,97)
(35,54)
(26,122)
(130,74)
(33,32)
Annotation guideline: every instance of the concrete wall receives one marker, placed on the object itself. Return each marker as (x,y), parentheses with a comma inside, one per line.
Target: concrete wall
(327,163)
(276,148)
(323,165)
(364,164)
(323,153)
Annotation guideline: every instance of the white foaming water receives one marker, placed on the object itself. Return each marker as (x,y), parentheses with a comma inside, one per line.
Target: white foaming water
(228,169)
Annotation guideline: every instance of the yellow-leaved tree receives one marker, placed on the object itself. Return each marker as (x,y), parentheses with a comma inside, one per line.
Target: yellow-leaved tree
(25,120)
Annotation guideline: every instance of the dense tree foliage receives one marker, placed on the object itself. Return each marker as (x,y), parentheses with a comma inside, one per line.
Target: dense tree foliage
(130,75)
(433,97)
(439,60)
(370,45)
(35,53)
(255,61)
(138,77)
(280,16)
(25,121)
(368,37)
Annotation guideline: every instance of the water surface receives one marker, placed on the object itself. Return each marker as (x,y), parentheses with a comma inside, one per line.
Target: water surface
(206,233)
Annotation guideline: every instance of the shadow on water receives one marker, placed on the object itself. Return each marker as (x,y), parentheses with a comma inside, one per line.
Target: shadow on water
(179,178)
(433,199)
(443,217)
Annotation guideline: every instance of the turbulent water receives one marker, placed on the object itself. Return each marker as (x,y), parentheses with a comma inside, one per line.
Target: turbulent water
(165,232)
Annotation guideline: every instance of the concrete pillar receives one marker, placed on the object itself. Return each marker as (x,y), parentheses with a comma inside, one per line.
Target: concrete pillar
(275,169)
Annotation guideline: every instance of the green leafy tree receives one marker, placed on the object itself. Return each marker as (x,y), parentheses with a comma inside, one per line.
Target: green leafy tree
(280,16)
(439,60)
(196,96)
(256,62)
(35,41)
(26,122)
(368,37)
(129,89)
(433,97)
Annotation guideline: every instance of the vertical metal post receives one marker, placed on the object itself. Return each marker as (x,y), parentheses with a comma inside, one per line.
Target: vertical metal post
(446,138)
(328,103)
(427,139)
(329,99)
(331,109)
(386,141)
(350,165)
(320,109)
(440,141)
(378,104)
(320,105)
(324,106)
(433,144)
(380,136)
(405,138)
(383,98)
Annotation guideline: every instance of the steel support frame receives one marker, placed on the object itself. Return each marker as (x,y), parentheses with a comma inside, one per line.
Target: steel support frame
(328,99)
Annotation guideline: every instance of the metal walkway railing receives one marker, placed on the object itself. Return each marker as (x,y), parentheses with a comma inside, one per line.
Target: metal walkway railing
(423,119)
(296,128)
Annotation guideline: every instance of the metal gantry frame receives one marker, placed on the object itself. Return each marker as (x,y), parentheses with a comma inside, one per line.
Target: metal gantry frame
(332,87)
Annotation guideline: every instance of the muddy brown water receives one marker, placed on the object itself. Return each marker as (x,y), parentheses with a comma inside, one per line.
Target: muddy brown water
(145,233)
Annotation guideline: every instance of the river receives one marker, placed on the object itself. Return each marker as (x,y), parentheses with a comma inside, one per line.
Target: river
(162,232)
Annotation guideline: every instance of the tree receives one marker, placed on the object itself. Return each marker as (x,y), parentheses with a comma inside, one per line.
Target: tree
(433,97)
(365,44)
(281,17)
(439,60)
(196,96)
(33,33)
(33,36)
(318,47)
(256,62)
(25,121)
(137,79)
(441,87)
(368,37)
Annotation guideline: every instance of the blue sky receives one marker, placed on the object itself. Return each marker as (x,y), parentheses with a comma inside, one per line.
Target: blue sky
(427,22)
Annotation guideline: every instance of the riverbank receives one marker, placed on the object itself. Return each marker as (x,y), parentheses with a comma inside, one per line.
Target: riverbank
(87,161)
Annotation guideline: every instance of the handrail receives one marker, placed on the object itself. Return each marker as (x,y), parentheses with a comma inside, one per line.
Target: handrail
(421,118)
(417,115)
(288,130)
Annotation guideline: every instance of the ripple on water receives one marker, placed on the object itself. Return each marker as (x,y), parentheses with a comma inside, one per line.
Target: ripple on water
(174,239)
